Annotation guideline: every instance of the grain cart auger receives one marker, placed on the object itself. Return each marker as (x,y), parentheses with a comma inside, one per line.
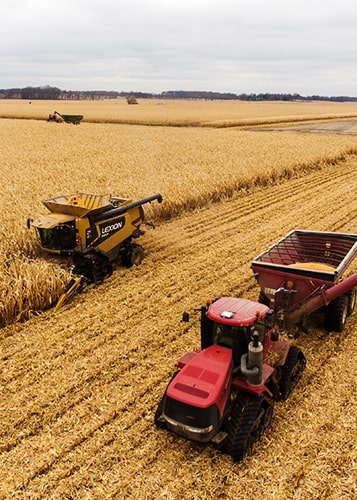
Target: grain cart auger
(94,231)
(223,394)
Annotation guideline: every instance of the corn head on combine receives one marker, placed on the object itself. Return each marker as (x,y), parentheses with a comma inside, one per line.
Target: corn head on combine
(93,230)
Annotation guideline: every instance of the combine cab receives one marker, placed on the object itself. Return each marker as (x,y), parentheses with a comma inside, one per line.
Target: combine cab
(94,230)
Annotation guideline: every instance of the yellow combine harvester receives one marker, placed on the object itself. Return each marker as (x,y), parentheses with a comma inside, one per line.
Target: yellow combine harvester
(94,230)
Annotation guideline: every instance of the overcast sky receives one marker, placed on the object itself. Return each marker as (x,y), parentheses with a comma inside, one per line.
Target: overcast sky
(240,46)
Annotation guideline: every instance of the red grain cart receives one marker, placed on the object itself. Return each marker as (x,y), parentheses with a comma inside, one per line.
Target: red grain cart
(306,271)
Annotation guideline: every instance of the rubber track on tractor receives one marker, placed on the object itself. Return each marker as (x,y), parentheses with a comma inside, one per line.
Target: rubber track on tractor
(292,371)
(248,420)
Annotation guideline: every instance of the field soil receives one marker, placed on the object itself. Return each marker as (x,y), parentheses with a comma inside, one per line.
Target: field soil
(80,387)
(340,127)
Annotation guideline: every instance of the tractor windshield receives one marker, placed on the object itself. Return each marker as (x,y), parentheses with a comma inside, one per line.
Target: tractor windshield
(235,337)
(61,237)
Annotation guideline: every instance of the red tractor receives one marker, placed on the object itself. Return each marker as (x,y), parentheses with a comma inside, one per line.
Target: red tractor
(223,394)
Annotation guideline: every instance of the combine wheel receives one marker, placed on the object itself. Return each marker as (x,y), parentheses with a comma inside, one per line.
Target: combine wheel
(291,371)
(135,256)
(250,417)
(105,271)
(336,314)
(352,297)
(84,266)
(93,267)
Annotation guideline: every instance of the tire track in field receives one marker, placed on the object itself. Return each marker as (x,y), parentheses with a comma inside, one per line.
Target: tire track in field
(199,269)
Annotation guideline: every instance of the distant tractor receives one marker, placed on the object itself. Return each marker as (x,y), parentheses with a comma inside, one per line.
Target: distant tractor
(53,117)
(59,118)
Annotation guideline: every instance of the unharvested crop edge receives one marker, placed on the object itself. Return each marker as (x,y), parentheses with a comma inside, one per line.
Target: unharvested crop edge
(170,210)
(241,124)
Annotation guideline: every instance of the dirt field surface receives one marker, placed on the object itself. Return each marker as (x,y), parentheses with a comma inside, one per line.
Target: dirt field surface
(80,387)
(343,127)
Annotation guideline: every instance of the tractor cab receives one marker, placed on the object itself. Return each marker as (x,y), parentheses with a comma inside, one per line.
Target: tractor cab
(231,322)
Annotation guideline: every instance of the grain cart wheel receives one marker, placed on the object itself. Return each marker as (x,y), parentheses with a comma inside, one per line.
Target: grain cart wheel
(249,418)
(291,371)
(352,297)
(336,314)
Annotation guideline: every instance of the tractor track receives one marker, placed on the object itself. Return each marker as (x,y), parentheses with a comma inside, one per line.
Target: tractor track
(84,408)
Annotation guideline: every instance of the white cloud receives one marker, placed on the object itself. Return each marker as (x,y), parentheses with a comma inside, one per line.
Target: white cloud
(228,45)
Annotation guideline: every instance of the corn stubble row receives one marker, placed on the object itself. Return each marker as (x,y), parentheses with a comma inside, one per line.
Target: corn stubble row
(191,167)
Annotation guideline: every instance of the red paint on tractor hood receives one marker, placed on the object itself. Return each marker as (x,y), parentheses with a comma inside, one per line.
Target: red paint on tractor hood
(205,379)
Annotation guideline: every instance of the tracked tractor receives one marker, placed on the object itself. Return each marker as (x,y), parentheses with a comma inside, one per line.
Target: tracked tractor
(93,230)
(223,394)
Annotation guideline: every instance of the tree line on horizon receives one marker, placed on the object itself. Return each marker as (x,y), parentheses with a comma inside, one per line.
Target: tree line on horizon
(54,93)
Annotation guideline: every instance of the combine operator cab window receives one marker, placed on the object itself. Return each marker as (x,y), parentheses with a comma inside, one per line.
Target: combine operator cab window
(235,337)
(61,237)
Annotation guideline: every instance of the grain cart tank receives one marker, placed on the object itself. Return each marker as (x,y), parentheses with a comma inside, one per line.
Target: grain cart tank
(94,230)
(306,271)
